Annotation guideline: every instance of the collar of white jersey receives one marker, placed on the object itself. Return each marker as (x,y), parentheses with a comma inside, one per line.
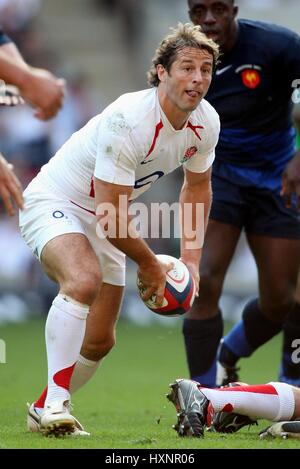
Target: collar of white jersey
(166,123)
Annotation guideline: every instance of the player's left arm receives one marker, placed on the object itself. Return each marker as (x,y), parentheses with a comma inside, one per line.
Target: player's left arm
(195,201)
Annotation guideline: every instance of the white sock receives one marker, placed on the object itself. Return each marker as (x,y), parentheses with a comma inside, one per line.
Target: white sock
(272,401)
(65,328)
(83,371)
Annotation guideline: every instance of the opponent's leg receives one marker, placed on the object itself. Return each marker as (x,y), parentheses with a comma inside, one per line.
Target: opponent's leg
(277,261)
(203,326)
(289,428)
(196,405)
(253,330)
(272,401)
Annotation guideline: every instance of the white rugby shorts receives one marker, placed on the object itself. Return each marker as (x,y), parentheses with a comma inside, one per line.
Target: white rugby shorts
(48,214)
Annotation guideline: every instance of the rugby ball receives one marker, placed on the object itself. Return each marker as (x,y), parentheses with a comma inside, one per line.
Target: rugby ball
(179,291)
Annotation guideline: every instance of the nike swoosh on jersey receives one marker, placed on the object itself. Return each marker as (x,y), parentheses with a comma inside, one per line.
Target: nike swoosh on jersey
(222,70)
(146,162)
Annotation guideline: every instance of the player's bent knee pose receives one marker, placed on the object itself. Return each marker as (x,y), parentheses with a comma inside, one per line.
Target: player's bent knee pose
(139,138)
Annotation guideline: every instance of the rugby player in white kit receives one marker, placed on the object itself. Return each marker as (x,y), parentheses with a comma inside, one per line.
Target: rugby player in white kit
(135,141)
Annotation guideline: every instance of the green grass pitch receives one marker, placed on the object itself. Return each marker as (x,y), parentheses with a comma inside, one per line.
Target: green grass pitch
(124,406)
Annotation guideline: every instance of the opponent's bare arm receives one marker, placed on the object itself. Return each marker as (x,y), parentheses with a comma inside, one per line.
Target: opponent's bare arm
(10,187)
(196,189)
(151,272)
(38,87)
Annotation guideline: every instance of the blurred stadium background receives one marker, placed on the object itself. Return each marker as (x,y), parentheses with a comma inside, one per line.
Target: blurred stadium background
(103,48)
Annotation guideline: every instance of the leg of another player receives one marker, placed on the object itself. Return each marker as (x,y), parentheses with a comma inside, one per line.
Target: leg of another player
(277,260)
(197,406)
(203,326)
(69,260)
(271,401)
(289,428)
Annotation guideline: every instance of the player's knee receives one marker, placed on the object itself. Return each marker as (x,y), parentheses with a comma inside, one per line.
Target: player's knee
(210,288)
(106,345)
(210,283)
(84,287)
(206,304)
(99,348)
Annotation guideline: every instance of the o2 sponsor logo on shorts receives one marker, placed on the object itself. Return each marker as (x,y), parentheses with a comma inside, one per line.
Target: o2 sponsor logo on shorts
(58,214)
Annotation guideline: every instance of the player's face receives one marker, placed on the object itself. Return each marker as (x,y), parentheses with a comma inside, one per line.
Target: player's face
(216,17)
(188,80)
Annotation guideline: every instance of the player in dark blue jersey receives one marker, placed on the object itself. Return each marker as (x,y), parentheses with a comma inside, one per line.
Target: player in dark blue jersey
(251,91)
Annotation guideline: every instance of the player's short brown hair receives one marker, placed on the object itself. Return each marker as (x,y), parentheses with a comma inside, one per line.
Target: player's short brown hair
(185,35)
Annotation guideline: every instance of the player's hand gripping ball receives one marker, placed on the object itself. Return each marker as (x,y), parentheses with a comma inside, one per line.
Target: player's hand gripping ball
(179,291)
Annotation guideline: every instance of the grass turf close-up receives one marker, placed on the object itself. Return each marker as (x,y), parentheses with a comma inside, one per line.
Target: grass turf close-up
(124,405)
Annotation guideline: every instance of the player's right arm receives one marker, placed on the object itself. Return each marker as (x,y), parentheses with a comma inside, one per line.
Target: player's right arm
(112,201)
(38,87)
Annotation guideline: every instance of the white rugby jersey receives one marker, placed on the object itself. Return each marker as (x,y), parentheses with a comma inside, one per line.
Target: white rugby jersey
(131,143)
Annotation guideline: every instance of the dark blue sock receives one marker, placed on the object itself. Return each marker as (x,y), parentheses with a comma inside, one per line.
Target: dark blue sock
(202,339)
(234,345)
(252,331)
